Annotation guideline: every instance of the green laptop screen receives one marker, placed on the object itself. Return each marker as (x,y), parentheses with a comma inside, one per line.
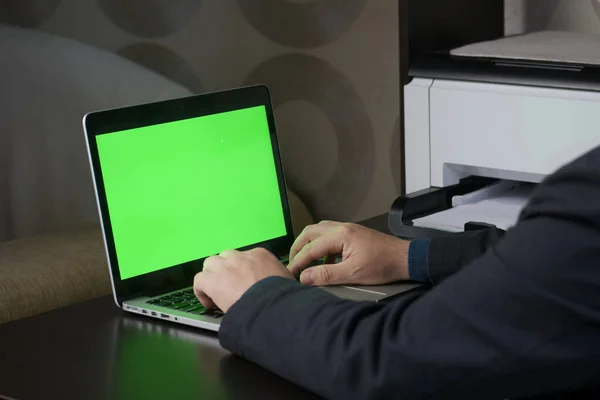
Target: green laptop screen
(185,190)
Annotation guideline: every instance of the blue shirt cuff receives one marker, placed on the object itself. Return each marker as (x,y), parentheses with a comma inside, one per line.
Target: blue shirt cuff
(418,251)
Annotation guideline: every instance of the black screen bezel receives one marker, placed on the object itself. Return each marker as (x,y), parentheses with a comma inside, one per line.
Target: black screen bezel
(110,121)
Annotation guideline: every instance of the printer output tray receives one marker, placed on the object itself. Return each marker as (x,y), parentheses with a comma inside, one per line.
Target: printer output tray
(415,205)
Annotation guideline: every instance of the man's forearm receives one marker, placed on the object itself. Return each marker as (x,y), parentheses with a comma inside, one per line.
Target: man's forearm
(448,254)
(520,320)
(433,260)
(507,326)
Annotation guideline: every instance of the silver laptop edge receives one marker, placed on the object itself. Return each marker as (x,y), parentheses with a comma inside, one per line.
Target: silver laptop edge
(89,151)
(140,306)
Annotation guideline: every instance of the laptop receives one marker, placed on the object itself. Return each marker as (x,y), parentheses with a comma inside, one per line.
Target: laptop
(180,180)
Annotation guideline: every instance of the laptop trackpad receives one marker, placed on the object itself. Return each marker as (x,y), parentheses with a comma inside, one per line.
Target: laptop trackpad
(356,294)
(369,293)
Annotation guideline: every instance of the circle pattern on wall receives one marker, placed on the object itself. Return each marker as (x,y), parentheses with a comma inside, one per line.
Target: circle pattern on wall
(302,24)
(539,13)
(150,18)
(27,13)
(396,158)
(307,78)
(596,6)
(165,62)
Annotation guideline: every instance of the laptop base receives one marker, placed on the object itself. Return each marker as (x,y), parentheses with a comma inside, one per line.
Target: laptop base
(141,306)
(355,293)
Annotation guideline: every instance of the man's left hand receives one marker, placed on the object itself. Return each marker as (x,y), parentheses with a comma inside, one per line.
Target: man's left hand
(226,277)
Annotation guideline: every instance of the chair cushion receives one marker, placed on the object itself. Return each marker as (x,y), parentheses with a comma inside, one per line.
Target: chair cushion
(43,273)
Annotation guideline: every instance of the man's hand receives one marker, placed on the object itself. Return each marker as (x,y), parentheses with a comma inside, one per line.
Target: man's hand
(226,277)
(368,257)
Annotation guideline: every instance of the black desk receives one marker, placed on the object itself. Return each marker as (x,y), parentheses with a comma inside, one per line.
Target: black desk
(94,350)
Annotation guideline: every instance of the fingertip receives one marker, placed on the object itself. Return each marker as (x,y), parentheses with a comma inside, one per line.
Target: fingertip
(206,301)
(197,278)
(307,277)
(293,254)
(293,268)
(203,297)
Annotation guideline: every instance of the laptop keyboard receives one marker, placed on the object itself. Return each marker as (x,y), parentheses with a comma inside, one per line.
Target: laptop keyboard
(185,301)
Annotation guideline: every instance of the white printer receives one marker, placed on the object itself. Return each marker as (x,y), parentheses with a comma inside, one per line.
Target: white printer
(487,121)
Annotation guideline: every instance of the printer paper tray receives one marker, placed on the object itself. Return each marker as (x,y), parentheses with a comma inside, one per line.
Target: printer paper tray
(479,203)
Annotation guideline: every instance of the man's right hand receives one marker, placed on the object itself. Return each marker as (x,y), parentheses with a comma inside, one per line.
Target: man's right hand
(368,257)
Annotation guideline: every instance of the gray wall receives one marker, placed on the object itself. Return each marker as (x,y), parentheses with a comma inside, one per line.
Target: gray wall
(332,66)
(534,15)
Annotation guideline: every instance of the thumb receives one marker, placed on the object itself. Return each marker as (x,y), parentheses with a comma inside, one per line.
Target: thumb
(326,274)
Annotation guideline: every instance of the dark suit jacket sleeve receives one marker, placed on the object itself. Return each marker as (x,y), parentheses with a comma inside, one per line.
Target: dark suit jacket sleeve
(523,319)
(448,254)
